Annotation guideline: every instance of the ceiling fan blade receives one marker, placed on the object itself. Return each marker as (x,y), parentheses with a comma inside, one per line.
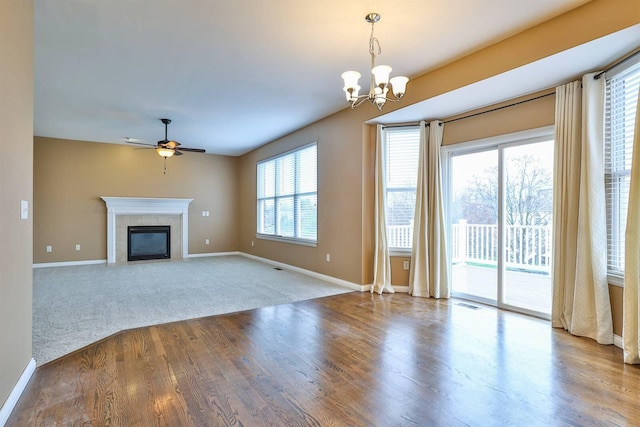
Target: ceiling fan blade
(177,153)
(193,150)
(140,143)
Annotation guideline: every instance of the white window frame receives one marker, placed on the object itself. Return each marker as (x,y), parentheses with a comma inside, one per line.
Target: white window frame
(394,250)
(296,195)
(618,145)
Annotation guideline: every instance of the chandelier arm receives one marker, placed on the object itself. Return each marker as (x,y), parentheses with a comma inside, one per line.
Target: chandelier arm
(359,100)
(394,99)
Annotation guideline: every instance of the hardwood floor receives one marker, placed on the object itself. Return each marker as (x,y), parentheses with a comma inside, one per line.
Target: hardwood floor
(351,359)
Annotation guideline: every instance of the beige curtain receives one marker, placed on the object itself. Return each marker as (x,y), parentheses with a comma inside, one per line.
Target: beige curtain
(580,289)
(428,275)
(382,263)
(631,317)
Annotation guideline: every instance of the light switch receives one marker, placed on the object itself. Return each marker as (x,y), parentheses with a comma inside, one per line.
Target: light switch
(24,209)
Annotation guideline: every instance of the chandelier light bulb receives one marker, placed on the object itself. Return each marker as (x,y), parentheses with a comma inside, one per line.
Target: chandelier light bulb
(399,85)
(381,99)
(381,74)
(351,78)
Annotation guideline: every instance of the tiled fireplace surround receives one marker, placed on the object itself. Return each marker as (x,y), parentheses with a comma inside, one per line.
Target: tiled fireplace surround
(125,211)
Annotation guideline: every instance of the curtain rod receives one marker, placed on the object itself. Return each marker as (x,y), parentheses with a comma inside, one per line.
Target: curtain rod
(471,115)
(409,125)
(500,108)
(615,64)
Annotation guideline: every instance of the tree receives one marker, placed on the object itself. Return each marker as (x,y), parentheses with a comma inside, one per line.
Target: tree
(529,198)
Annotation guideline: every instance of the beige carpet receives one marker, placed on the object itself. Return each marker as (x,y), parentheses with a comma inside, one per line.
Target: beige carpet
(75,306)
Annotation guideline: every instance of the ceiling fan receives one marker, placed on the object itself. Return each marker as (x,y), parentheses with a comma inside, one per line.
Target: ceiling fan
(165,147)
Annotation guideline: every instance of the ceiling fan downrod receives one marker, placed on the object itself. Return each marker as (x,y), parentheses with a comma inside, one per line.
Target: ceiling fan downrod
(166,123)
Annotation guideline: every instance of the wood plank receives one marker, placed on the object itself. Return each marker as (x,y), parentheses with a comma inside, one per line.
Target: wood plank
(351,359)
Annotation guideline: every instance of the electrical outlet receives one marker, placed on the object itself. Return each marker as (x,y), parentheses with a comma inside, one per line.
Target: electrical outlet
(77,247)
(204,213)
(206,241)
(405,265)
(49,248)
(328,257)
(252,243)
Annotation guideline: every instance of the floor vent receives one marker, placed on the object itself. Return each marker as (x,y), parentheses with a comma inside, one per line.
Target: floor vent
(277,268)
(472,307)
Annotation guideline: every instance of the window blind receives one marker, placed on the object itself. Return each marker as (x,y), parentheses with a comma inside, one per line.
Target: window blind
(401,173)
(620,114)
(287,195)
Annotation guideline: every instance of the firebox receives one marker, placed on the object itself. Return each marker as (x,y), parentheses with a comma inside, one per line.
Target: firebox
(148,242)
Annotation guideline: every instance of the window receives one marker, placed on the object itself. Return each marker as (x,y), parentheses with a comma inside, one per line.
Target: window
(620,113)
(401,172)
(288,195)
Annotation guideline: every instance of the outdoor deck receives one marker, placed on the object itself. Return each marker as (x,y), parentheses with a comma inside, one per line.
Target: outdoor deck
(531,291)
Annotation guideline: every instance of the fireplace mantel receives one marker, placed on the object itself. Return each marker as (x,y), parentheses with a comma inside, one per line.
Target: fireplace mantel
(144,206)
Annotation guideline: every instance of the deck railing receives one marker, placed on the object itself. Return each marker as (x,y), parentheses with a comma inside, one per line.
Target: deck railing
(528,247)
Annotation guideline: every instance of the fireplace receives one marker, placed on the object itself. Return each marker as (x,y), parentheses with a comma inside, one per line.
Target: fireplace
(137,211)
(148,242)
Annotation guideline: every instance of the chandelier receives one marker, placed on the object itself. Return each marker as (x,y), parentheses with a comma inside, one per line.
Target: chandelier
(379,88)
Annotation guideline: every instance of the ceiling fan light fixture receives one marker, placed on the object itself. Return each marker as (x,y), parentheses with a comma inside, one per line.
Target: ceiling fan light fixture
(165,152)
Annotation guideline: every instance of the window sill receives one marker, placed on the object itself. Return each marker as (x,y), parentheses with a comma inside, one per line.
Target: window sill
(283,239)
(616,280)
(400,252)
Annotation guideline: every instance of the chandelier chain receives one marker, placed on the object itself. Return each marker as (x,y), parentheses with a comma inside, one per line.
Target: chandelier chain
(373,43)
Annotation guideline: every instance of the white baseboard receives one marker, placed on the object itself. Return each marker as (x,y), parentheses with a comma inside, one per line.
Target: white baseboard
(617,341)
(69,263)
(335,280)
(104,261)
(15,394)
(213,254)
(401,289)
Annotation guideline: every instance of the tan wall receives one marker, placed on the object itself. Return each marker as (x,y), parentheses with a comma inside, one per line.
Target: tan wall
(70,177)
(16,181)
(399,276)
(340,199)
(529,115)
(615,295)
(345,147)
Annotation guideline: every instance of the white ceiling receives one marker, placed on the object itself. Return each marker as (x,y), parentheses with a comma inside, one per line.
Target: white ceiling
(234,75)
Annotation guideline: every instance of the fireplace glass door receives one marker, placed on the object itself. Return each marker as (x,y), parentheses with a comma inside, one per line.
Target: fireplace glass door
(148,242)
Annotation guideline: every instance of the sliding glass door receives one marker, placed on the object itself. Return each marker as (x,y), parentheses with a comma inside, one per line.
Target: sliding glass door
(499,213)
(528,207)
(474,226)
